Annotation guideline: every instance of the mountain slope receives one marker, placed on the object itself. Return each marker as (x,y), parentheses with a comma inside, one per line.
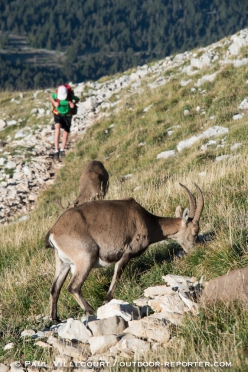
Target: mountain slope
(154,109)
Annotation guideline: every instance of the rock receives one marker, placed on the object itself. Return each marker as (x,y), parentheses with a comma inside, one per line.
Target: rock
(80,352)
(3,368)
(111,326)
(173,280)
(160,290)
(22,132)
(173,318)
(166,154)
(10,165)
(172,303)
(183,83)
(206,78)
(236,146)
(3,124)
(118,308)
(101,344)
(238,116)
(74,330)
(147,108)
(133,345)
(11,122)
(221,157)
(227,288)
(186,112)
(28,333)
(210,132)
(9,346)
(150,329)
(16,367)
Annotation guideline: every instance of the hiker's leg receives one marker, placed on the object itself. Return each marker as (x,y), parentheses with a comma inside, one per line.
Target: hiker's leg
(56,138)
(64,139)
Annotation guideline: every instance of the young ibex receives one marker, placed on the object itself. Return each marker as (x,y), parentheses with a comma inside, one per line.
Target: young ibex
(94,183)
(101,232)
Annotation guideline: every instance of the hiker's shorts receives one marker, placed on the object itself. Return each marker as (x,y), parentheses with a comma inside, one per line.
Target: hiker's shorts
(64,121)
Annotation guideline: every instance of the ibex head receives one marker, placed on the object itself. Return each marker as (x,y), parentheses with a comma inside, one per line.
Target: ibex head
(187,236)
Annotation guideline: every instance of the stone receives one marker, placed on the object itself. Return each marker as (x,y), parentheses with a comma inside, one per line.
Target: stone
(114,325)
(173,318)
(3,368)
(173,280)
(210,132)
(74,330)
(28,333)
(221,157)
(10,165)
(166,154)
(172,303)
(9,346)
(118,308)
(159,290)
(150,329)
(183,83)
(133,345)
(101,344)
(3,124)
(236,146)
(16,366)
(80,352)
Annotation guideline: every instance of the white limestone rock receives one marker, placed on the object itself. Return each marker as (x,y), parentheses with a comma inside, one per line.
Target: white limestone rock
(166,154)
(244,104)
(150,329)
(109,326)
(133,345)
(28,333)
(74,330)
(210,132)
(3,124)
(3,368)
(102,344)
(118,308)
(161,290)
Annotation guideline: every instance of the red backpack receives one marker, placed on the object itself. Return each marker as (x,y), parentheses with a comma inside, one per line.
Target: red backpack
(70,93)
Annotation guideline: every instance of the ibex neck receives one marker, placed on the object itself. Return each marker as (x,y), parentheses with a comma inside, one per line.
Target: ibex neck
(165,226)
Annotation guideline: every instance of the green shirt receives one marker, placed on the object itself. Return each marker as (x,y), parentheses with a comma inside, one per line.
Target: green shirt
(64,108)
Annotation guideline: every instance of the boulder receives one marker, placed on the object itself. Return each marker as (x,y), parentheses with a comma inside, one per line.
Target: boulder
(74,330)
(118,308)
(133,345)
(110,326)
(3,124)
(102,344)
(150,329)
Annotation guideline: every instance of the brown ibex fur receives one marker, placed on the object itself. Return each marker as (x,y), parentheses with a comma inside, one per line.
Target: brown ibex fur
(101,232)
(226,288)
(93,183)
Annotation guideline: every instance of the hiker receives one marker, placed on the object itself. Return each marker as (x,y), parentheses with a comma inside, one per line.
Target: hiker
(64,103)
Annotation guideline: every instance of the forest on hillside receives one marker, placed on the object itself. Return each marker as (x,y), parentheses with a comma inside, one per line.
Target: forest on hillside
(102,37)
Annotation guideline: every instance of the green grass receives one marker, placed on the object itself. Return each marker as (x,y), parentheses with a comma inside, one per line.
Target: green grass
(27,269)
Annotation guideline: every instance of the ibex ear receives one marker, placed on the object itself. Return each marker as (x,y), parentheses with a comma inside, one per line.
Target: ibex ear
(185,217)
(178,212)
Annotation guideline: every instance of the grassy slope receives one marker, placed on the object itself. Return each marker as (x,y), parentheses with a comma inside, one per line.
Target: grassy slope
(26,268)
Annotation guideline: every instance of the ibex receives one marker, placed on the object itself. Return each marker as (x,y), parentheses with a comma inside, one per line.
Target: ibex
(93,184)
(101,232)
